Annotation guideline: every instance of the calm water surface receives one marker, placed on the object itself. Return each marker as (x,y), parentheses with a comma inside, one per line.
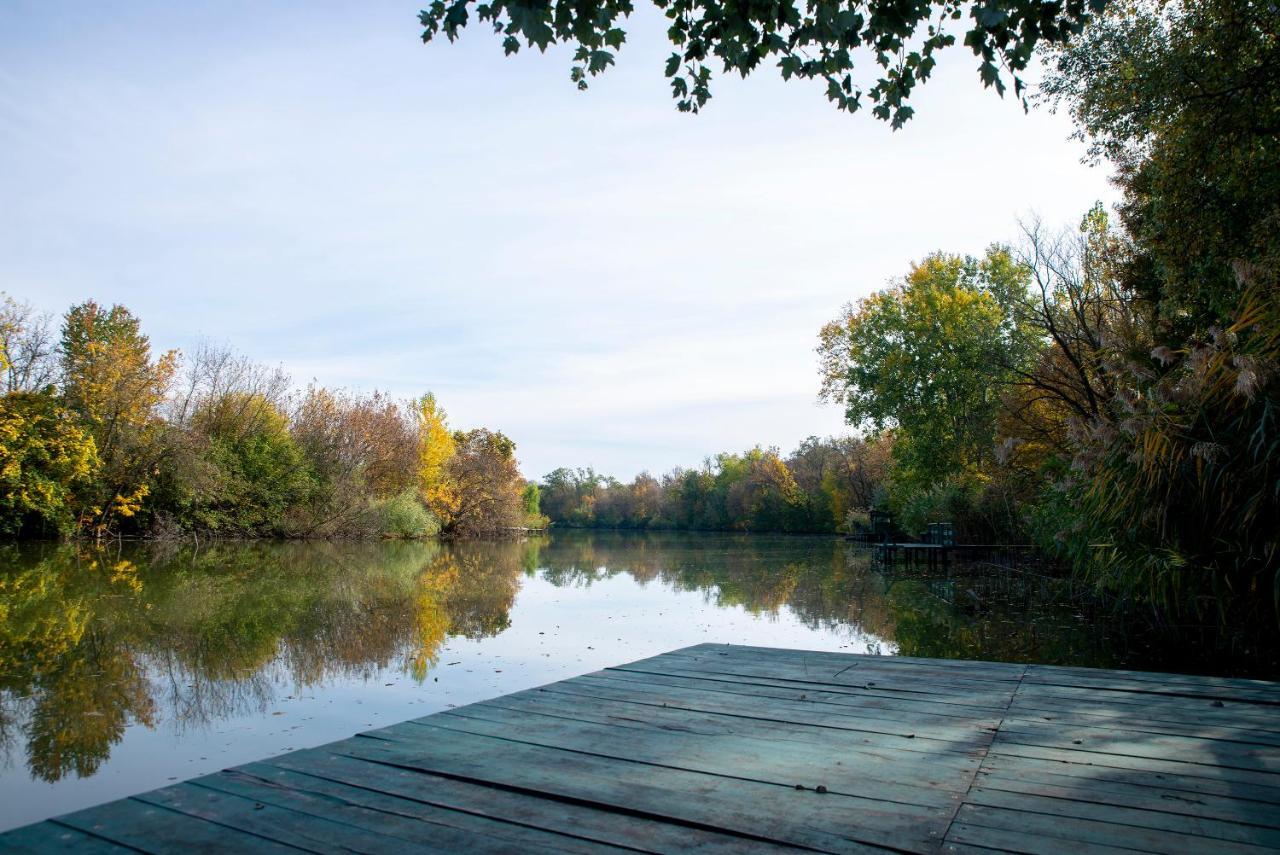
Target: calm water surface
(122,670)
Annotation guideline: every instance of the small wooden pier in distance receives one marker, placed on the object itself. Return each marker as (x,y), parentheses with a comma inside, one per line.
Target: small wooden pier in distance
(720,748)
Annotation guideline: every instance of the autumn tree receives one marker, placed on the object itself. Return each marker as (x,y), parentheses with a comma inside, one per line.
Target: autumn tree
(436,449)
(765,496)
(838,476)
(112,384)
(753,491)
(46,462)
(569,495)
(363,454)
(648,507)
(928,358)
(485,480)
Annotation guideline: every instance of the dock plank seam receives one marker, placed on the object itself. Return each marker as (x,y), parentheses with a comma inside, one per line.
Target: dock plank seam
(497,833)
(986,751)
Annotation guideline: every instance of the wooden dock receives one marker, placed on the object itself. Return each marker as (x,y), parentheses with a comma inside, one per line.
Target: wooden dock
(732,749)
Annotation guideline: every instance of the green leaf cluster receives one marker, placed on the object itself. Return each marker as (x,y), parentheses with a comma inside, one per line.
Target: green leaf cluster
(818,40)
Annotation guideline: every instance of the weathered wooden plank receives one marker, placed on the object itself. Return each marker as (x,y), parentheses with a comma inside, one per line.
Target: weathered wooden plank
(866,715)
(1029,705)
(1188,787)
(848,775)
(1259,716)
(749,809)
(967,849)
(957,665)
(1260,688)
(963,836)
(857,697)
(1147,692)
(854,773)
(816,665)
(765,720)
(532,810)
(816,661)
(424,827)
(1069,719)
(1034,825)
(1231,827)
(1129,743)
(1264,782)
(52,837)
(151,828)
(982,703)
(850,769)
(857,673)
(270,821)
(1145,795)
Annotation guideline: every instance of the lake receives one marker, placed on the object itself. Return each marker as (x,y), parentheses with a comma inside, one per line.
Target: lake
(126,668)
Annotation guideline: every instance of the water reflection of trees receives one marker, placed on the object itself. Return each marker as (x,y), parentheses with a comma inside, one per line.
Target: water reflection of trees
(962,610)
(92,641)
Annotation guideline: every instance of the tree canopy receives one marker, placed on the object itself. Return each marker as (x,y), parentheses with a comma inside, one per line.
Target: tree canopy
(1184,100)
(930,356)
(818,40)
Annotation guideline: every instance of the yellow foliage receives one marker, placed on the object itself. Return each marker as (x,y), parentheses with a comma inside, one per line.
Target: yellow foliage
(45,460)
(432,615)
(127,506)
(436,447)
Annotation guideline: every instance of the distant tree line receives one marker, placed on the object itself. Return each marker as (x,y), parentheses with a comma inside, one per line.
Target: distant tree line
(101,437)
(823,486)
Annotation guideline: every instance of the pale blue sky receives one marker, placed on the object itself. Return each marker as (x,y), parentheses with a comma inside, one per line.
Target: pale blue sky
(608,281)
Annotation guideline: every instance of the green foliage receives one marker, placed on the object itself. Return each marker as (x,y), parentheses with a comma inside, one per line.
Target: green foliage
(403,517)
(531,505)
(531,499)
(1183,99)
(816,41)
(1173,500)
(928,358)
(951,500)
(1132,388)
(259,471)
(1170,498)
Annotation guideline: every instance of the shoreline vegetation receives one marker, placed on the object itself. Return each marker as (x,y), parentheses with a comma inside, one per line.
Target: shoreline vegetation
(99,438)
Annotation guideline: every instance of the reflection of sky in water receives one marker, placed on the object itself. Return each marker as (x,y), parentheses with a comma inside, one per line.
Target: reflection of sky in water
(555,631)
